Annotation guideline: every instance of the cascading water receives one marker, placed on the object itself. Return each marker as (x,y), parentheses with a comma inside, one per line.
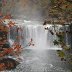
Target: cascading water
(37,34)
(41,38)
(38,60)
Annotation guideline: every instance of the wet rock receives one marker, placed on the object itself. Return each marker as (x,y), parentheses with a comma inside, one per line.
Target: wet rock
(6,46)
(9,63)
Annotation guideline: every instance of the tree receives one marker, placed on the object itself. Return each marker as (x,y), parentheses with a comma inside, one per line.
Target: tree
(7,50)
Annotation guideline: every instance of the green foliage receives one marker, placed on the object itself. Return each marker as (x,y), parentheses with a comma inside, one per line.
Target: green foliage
(56,42)
(61,53)
(0,4)
(60,37)
(52,2)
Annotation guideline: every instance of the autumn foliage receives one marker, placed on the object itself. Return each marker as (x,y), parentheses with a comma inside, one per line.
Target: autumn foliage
(5,49)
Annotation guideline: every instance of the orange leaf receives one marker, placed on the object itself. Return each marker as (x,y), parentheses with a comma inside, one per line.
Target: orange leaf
(7,17)
(11,24)
(2,66)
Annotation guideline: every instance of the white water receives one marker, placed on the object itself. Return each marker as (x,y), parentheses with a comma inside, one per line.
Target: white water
(41,38)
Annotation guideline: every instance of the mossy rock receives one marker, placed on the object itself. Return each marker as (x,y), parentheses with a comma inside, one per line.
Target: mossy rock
(61,53)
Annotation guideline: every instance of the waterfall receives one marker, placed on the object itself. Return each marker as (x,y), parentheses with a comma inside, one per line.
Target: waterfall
(41,38)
